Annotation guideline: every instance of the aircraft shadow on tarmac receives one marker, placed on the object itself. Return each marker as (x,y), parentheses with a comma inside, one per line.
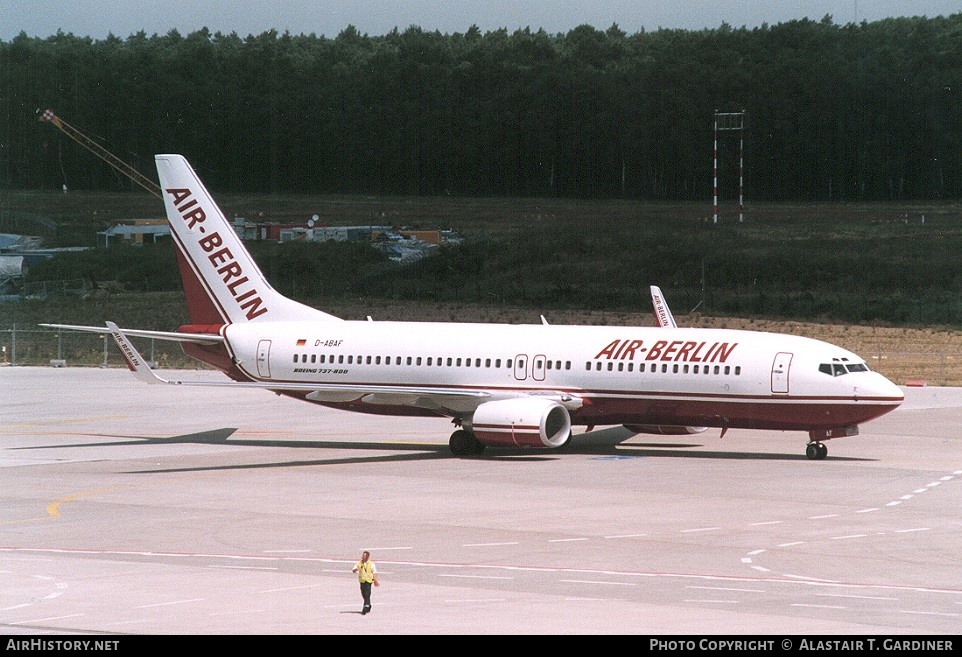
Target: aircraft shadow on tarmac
(601,443)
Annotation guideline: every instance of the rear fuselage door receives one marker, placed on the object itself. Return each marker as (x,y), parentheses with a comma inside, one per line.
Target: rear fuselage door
(264,359)
(780,369)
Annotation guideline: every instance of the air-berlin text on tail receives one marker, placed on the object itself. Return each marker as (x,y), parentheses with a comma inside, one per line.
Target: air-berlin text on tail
(238,285)
(688,351)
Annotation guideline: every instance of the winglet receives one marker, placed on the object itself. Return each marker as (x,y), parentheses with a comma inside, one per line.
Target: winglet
(135,362)
(662,314)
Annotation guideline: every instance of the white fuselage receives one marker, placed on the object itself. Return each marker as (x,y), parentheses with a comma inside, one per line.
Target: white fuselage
(705,377)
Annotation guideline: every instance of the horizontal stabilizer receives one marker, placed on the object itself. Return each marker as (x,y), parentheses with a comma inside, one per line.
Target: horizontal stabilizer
(195,338)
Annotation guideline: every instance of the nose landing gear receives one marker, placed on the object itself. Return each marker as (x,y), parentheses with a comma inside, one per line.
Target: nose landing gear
(816,451)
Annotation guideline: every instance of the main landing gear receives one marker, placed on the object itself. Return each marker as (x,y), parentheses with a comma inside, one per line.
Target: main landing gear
(816,451)
(463,443)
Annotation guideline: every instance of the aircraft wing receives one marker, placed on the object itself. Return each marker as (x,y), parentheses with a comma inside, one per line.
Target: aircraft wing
(196,338)
(435,398)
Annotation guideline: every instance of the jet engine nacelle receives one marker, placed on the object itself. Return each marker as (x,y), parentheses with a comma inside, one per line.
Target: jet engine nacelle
(664,429)
(522,422)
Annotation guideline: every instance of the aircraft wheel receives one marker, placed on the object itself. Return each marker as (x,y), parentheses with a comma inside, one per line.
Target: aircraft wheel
(816,451)
(463,443)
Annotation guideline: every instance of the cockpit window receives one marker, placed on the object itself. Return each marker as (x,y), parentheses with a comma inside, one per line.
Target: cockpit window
(838,368)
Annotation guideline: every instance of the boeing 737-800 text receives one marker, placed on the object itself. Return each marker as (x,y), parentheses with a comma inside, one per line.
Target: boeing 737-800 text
(502,385)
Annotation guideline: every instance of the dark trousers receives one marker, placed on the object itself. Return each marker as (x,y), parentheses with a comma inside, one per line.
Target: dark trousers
(366,594)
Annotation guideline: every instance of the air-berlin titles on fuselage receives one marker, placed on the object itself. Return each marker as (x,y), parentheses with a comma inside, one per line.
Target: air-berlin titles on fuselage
(687,351)
(222,259)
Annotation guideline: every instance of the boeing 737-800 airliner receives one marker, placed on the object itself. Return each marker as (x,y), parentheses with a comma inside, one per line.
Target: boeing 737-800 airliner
(502,385)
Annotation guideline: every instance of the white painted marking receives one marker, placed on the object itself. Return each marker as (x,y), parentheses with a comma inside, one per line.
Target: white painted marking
(490,544)
(857,597)
(870,510)
(700,529)
(169,604)
(291,588)
(770,522)
(475,576)
(799,604)
(712,602)
(244,567)
(830,515)
(906,497)
(790,544)
(722,588)
(842,538)
(566,540)
(384,549)
(916,529)
(45,620)
(754,552)
(590,581)
(806,578)
(626,536)
(929,613)
(895,503)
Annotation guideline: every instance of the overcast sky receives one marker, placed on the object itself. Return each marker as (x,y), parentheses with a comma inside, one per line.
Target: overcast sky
(99,18)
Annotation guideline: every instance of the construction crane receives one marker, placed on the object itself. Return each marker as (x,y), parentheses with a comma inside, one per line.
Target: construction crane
(101,152)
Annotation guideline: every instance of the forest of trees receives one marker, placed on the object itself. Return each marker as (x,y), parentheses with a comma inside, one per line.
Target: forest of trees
(869,111)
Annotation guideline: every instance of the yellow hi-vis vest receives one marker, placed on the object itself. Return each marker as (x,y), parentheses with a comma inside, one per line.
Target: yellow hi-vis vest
(365,571)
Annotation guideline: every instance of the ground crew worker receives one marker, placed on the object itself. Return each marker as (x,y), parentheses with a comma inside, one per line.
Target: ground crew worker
(366,575)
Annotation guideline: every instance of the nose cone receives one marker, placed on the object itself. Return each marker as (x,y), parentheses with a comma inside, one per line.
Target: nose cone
(879,392)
